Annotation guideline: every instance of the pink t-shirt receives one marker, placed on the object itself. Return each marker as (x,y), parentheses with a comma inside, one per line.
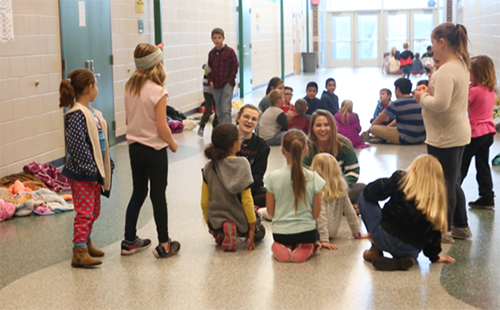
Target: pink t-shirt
(141,116)
(481,111)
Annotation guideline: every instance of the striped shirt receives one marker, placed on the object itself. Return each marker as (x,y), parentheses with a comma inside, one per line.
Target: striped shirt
(409,122)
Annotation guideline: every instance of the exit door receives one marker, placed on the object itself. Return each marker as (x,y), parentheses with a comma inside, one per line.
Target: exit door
(244,47)
(86,43)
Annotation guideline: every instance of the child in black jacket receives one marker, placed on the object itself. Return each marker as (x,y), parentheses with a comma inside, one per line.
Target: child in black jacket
(411,221)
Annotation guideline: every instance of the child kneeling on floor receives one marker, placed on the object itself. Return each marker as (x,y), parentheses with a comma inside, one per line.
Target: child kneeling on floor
(335,201)
(294,201)
(226,197)
(411,221)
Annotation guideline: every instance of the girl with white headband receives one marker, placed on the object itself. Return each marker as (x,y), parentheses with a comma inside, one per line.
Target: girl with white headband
(148,137)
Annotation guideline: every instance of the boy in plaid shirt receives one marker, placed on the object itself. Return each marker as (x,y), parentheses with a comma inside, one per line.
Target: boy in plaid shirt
(222,59)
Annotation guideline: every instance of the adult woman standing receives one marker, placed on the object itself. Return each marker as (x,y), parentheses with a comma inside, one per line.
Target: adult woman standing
(323,138)
(444,110)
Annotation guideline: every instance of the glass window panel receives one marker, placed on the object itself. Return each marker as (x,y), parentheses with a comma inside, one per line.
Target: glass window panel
(398,4)
(367,50)
(342,5)
(341,37)
(341,50)
(422,29)
(367,27)
(396,31)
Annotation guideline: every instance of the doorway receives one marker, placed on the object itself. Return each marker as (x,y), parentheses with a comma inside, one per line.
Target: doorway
(359,39)
(86,43)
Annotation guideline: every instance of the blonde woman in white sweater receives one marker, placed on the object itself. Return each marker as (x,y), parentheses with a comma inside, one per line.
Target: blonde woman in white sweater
(334,201)
(444,110)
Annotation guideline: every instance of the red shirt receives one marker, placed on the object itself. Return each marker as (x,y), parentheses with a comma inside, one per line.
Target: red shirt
(300,122)
(289,107)
(224,65)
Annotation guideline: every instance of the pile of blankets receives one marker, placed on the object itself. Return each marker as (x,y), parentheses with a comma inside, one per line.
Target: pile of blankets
(34,192)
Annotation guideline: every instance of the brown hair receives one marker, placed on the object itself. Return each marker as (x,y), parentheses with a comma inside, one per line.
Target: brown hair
(294,142)
(274,96)
(223,138)
(456,36)
(337,141)
(300,106)
(156,73)
(217,31)
(483,69)
(246,106)
(74,86)
(273,84)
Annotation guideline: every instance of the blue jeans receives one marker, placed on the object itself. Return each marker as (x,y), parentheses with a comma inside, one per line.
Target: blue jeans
(372,215)
(276,140)
(223,98)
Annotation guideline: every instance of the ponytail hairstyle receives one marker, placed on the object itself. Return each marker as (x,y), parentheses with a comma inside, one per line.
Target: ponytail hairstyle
(149,66)
(329,169)
(345,109)
(293,143)
(223,138)
(74,86)
(424,183)
(456,36)
(483,70)
(273,84)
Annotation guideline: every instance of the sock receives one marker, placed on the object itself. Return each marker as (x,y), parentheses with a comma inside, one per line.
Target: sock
(84,244)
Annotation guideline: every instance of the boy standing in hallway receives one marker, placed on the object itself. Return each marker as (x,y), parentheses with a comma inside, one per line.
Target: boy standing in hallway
(222,59)
(406,61)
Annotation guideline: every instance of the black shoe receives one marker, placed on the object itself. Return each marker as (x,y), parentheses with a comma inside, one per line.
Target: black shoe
(388,264)
(160,252)
(483,203)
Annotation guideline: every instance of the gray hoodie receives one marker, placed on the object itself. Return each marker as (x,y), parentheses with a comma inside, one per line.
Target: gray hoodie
(226,179)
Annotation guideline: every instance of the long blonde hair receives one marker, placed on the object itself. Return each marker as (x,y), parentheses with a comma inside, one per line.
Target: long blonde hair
(156,73)
(345,110)
(337,141)
(329,169)
(294,142)
(424,182)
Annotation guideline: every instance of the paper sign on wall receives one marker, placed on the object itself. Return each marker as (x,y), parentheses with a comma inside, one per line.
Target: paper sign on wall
(6,21)
(81,14)
(139,6)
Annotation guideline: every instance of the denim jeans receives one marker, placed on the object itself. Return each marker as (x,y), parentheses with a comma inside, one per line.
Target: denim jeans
(372,215)
(223,98)
(276,140)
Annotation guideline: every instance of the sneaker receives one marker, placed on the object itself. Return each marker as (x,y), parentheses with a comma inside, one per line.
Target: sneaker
(303,251)
(389,264)
(447,238)
(482,203)
(173,248)
(229,242)
(281,253)
(129,248)
(376,140)
(200,131)
(461,233)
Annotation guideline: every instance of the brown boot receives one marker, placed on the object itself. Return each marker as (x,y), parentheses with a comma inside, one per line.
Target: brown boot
(93,251)
(372,253)
(81,258)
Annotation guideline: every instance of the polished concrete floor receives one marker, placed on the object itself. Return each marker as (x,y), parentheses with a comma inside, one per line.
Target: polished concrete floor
(35,252)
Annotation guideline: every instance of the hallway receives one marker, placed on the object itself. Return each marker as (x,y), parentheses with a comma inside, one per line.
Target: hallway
(35,252)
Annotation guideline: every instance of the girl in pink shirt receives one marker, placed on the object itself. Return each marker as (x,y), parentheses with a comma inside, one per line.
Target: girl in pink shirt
(148,137)
(481,101)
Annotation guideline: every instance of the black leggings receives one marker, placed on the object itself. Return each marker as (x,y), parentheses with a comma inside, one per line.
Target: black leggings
(451,159)
(148,165)
(209,104)
(293,239)
(480,148)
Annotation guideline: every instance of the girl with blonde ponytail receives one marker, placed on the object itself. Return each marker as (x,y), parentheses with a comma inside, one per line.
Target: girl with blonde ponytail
(411,221)
(294,201)
(444,110)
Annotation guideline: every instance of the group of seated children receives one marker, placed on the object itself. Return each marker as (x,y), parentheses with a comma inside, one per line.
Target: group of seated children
(405,63)
(280,115)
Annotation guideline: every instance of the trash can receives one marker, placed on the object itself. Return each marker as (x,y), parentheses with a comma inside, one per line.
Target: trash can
(310,61)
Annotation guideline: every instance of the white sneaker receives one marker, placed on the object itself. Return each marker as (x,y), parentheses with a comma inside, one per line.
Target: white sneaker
(263,213)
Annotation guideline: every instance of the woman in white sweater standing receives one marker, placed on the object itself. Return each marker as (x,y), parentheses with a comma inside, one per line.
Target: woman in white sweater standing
(444,110)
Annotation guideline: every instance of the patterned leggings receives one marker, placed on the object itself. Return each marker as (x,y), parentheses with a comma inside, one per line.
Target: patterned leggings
(87,200)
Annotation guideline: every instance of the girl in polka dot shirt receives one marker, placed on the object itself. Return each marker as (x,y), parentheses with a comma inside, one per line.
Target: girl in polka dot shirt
(88,166)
